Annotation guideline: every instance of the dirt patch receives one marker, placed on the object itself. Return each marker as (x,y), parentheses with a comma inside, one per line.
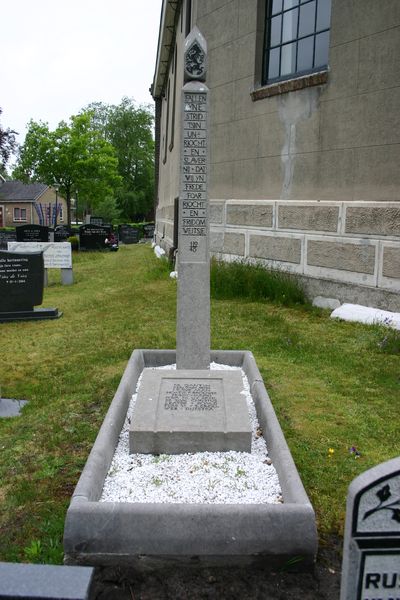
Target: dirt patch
(320,583)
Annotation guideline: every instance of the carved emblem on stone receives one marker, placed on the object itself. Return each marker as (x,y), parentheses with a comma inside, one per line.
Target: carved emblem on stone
(195,56)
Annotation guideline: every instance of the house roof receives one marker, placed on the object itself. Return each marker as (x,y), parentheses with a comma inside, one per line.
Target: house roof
(169,12)
(16,191)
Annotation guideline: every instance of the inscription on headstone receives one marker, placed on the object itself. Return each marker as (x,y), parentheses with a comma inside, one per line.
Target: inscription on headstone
(93,237)
(128,234)
(193,302)
(96,221)
(371,557)
(5,237)
(21,281)
(190,396)
(149,230)
(190,411)
(55,255)
(32,233)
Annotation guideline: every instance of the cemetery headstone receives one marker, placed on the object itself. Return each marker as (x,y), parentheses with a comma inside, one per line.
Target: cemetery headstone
(5,237)
(149,230)
(56,255)
(21,287)
(128,234)
(32,233)
(96,221)
(62,233)
(193,300)
(371,556)
(93,237)
(192,409)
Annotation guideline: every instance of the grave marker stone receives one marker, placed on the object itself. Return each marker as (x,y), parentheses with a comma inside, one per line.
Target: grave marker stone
(21,287)
(5,237)
(193,301)
(128,234)
(62,233)
(32,233)
(371,557)
(192,409)
(149,230)
(93,237)
(96,221)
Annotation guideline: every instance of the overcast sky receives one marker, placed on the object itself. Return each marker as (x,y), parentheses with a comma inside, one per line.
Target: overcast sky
(57,56)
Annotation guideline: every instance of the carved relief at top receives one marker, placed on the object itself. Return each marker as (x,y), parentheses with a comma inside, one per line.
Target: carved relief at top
(195,56)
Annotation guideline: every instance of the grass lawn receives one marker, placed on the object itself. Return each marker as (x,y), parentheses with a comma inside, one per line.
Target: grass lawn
(334,385)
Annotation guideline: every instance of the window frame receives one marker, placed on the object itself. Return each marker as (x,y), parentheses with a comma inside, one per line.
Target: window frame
(267,16)
(19,219)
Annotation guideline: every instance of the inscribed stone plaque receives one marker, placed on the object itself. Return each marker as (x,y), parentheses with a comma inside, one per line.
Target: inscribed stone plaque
(21,281)
(56,255)
(371,558)
(194,177)
(93,237)
(128,234)
(190,411)
(32,233)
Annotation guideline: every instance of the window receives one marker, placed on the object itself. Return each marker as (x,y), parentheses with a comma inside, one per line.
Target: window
(19,214)
(296,39)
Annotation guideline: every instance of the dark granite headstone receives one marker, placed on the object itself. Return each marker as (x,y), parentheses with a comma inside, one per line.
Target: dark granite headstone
(371,556)
(62,233)
(21,287)
(32,233)
(149,230)
(5,237)
(96,221)
(93,237)
(128,234)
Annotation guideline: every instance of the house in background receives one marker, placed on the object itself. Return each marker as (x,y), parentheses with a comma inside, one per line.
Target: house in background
(304,138)
(22,203)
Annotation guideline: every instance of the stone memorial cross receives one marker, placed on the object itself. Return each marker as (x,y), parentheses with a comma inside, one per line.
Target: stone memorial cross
(193,301)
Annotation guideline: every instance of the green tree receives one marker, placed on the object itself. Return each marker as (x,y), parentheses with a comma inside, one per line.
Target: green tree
(108,209)
(130,130)
(8,145)
(75,155)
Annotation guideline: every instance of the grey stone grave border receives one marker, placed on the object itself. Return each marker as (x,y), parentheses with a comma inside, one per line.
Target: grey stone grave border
(154,534)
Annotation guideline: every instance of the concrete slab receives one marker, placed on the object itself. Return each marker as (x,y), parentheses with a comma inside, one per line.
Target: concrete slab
(149,535)
(190,411)
(9,407)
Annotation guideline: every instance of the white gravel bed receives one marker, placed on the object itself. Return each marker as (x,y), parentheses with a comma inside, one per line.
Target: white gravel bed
(201,477)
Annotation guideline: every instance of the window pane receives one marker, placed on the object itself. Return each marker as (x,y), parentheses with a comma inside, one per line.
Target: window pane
(321,49)
(323,14)
(288,60)
(289,31)
(305,53)
(290,4)
(307,19)
(273,67)
(276,30)
(276,6)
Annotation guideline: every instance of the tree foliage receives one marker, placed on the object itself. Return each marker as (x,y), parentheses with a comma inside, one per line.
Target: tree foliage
(75,155)
(8,145)
(129,129)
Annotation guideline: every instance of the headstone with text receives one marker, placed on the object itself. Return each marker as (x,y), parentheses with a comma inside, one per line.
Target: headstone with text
(192,409)
(149,230)
(193,301)
(93,237)
(32,233)
(371,556)
(5,237)
(55,255)
(96,221)
(62,233)
(21,287)
(128,234)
